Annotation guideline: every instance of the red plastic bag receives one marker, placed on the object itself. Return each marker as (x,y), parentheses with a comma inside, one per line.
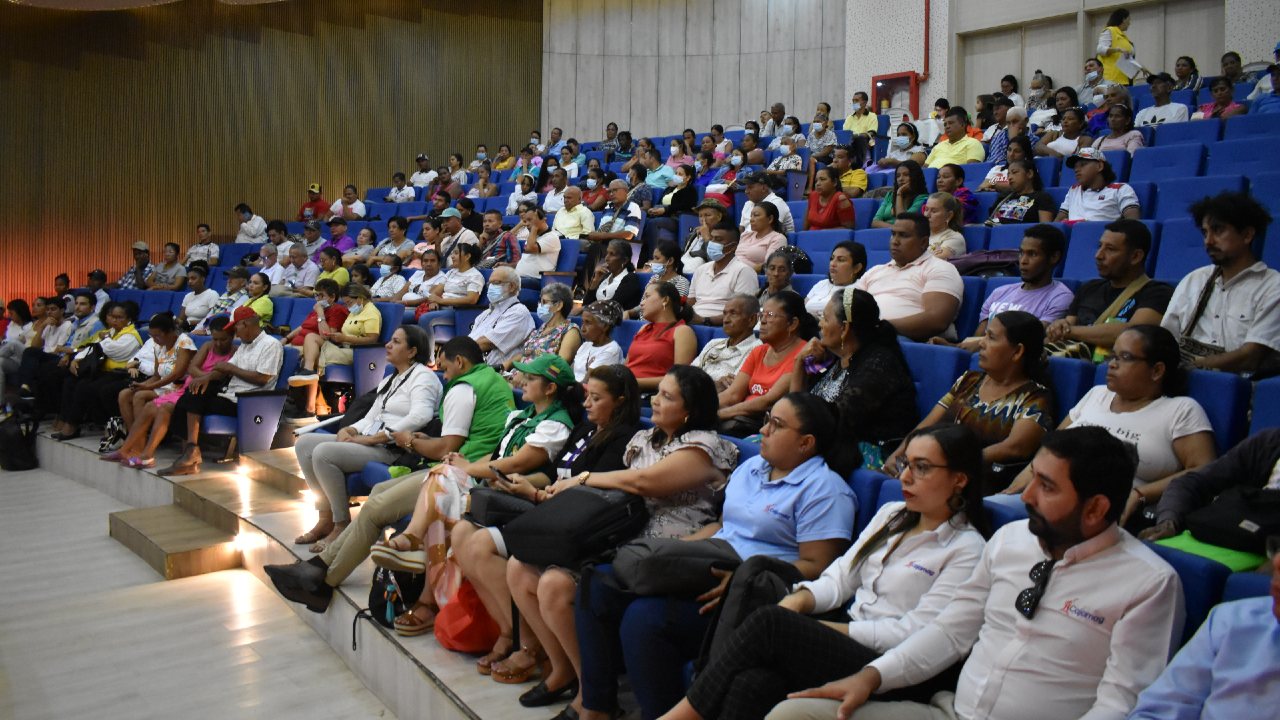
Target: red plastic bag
(464,625)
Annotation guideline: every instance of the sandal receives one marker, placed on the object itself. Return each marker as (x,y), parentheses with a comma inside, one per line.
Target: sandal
(320,546)
(138,463)
(394,555)
(319,532)
(484,665)
(408,624)
(504,673)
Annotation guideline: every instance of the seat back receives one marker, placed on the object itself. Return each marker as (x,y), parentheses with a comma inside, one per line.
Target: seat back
(1177,194)
(1265,126)
(1266,405)
(1160,163)
(1201,131)
(863,210)
(890,491)
(1243,585)
(934,368)
(875,238)
(1237,157)
(1070,380)
(1225,399)
(232,253)
(824,240)
(970,305)
(625,332)
(1181,249)
(1083,246)
(1203,581)
(155,301)
(746,449)
(866,488)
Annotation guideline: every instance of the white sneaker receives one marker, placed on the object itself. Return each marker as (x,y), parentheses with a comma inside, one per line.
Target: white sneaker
(303,378)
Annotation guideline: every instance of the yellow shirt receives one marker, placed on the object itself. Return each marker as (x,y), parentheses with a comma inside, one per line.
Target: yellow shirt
(265,309)
(868,123)
(1121,45)
(367,322)
(339,275)
(507,164)
(854,178)
(967,150)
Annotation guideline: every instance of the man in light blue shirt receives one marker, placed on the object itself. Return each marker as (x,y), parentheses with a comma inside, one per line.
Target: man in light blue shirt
(554,143)
(1229,670)
(659,176)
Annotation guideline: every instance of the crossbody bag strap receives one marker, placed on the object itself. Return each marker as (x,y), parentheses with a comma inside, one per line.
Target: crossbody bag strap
(1119,302)
(1203,302)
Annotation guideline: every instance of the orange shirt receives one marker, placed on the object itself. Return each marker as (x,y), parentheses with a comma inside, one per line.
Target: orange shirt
(763,376)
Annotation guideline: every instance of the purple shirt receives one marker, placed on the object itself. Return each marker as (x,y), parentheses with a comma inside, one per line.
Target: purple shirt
(343,244)
(1048,303)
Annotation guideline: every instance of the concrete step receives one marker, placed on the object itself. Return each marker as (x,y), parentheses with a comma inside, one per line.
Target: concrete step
(175,542)
(277,468)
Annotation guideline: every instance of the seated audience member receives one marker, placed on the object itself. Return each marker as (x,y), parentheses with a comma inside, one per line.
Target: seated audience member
(1226,315)
(204,247)
(432,233)
(361,326)
(763,236)
(424,175)
(1223,104)
(93,398)
(1227,669)
(857,365)
(151,420)
(621,221)
(758,191)
(664,266)
(502,328)
(417,288)
(454,232)
(349,206)
(679,199)
(800,454)
(556,335)
(315,207)
(18,332)
(471,219)
(997,134)
(1120,135)
(400,191)
(1266,84)
(473,412)
(278,236)
(39,376)
(1162,110)
(788,160)
(268,264)
(917,291)
(946,239)
(1076,551)
(253,229)
(158,367)
(1066,141)
(575,219)
(951,181)
(848,161)
(498,246)
(331,269)
(1041,95)
(778,272)
(484,186)
(1050,120)
(1038,293)
(1143,403)
(614,278)
(863,119)
(406,401)
(461,287)
(1123,294)
(135,278)
(258,297)
(1026,201)
(233,297)
(254,366)
(784,648)
(542,248)
(765,375)
(829,207)
(1233,71)
(595,193)
(327,315)
(96,281)
(299,276)
(790,128)
(905,145)
(390,286)
(847,264)
(957,147)
(1094,88)
(62,289)
(1268,103)
(821,144)
(997,177)
(312,240)
(555,189)
(360,275)
(199,300)
(910,192)
(1116,95)
(598,347)
(1006,401)
(524,192)
(1096,196)
(729,177)
(725,276)
(722,357)
(338,239)
(771,120)
(665,339)
(36,344)
(710,213)
(397,242)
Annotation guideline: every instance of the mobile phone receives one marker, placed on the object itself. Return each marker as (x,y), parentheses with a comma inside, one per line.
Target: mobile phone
(501,476)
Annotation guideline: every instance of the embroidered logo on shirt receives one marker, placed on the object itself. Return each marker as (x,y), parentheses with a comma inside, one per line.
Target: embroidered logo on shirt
(920,568)
(1071,608)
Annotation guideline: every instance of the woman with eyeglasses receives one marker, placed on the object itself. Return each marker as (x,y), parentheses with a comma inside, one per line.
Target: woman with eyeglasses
(1144,403)
(765,376)
(1006,402)
(782,648)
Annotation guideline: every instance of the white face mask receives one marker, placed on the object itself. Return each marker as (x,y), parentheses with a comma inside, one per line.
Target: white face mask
(735,161)
(657,268)
(784,150)
(817,128)
(698,166)
(857,107)
(591,183)
(901,141)
(788,129)
(675,149)
(1091,76)
(534,141)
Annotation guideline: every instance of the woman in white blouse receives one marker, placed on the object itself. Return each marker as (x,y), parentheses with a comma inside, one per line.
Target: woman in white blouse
(157,368)
(524,193)
(945,225)
(406,401)
(899,574)
(461,287)
(848,262)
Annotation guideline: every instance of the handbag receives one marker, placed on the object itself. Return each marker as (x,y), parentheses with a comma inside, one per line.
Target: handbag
(491,507)
(987,263)
(671,566)
(1240,518)
(91,363)
(575,526)
(463,624)
(1191,350)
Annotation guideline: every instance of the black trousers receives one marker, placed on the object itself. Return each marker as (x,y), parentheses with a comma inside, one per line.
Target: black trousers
(93,398)
(206,403)
(32,360)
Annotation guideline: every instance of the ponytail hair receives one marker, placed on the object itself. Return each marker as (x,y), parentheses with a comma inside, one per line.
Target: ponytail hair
(669,293)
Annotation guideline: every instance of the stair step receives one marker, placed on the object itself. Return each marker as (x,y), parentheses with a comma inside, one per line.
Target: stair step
(174,542)
(278,468)
(223,499)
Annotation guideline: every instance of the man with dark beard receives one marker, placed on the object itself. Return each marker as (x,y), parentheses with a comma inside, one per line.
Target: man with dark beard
(1067,615)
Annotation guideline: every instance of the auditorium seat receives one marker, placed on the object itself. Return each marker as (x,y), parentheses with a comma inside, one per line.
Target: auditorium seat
(986,201)
(1200,131)
(1243,585)
(1266,405)
(1237,157)
(375,194)
(1256,127)
(408,209)
(1070,379)
(1049,168)
(824,240)
(257,412)
(970,305)
(1161,163)
(1177,194)
(380,210)
(1266,188)
(1119,161)
(934,368)
(153,301)
(1083,247)
(1009,237)
(1202,583)
(1181,249)
(746,448)
(1000,515)
(874,238)
(232,253)
(803,283)
(863,210)
(866,488)
(975,237)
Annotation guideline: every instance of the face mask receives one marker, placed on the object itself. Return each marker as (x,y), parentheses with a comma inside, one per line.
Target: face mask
(748,131)
(657,268)
(1037,94)
(715,251)
(534,141)
(481,156)
(735,160)
(789,129)
(591,183)
(817,128)
(698,166)
(784,150)
(544,311)
(325,304)
(1091,76)
(902,141)
(355,308)
(675,148)
(494,293)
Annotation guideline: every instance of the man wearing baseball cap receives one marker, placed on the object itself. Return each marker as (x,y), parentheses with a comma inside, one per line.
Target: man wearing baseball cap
(758,191)
(97,280)
(451,223)
(338,238)
(424,174)
(315,206)
(254,366)
(1164,110)
(312,240)
(1096,196)
(136,276)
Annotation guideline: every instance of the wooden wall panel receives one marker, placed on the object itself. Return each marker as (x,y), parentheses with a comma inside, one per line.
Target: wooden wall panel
(138,125)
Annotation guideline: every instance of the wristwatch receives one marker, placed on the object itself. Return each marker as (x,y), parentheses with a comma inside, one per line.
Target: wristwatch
(584,476)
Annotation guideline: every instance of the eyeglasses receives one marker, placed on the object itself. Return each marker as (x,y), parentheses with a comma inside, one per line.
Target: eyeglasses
(1127,357)
(919,468)
(774,424)
(1029,599)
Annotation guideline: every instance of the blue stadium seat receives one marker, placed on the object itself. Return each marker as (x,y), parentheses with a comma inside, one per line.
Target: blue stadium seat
(1083,246)
(1162,163)
(863,210)
(1202,583)
(154,301)
(1184,97)
(874,238)
(746,449)
(1119,161)
(1225,399)
(934,368)
(1266,405)
(866,488)
(890,491)
(369,362)
(1266,188)
(798,209)
(380,210)
(1005,237)
(408,209)
(822,239)
(1001,515)
(1243,585)
(1177,194)
(294,227)
(1251,126)
(257,412)
(1199,131)
(1237,157)
(1049,169)
(624,333)
(804,283)
(375,194)
(822,260)
(175,302)
(1059,194)
(975,237)
(293,314)
(970,306)
(360,483)
(793,191)
(986,201)
(232,253)
(1181,249)
(1070,379)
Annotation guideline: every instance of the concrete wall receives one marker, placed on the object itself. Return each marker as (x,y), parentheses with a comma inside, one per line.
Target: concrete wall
(658,66)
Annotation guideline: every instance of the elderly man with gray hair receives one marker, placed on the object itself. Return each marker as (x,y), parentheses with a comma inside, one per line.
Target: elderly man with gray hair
(269,263)
(502,328)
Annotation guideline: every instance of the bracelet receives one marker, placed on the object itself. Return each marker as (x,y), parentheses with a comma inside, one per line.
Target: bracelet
(584,477)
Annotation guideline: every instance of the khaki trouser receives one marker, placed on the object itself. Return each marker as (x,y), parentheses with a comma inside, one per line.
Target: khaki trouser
(388,502)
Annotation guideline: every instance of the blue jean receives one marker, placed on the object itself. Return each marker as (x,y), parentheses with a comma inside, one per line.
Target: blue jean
(654,636)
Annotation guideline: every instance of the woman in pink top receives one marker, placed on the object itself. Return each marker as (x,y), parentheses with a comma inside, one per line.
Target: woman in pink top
(1223,105)
(1122,136)
(763,236)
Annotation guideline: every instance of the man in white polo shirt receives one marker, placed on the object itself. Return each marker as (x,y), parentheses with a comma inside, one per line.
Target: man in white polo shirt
(1065,616)
(541,250)
(916,290)
(719,280)
(758,190)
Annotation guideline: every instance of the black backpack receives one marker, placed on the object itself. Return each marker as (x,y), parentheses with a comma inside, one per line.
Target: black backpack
(18,442)
(1241,518)
(575,526)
